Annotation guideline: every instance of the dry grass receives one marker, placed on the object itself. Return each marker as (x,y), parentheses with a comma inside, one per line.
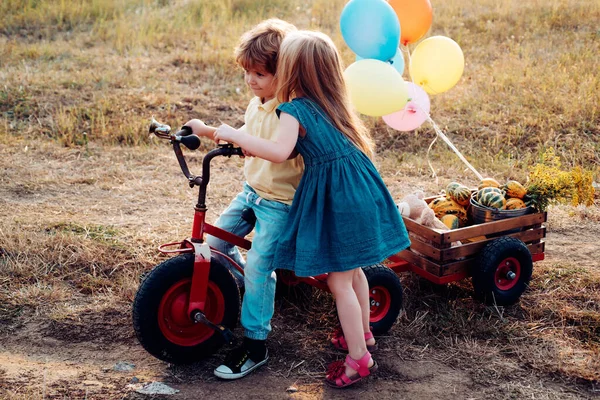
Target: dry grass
(86,195)
(96,70)
(75,239)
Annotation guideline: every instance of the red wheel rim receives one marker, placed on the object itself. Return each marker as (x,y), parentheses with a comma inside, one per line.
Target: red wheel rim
(174,322)
(380,302)
(507,273)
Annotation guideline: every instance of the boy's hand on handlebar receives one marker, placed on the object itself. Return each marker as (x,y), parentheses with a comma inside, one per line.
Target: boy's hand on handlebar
(199,128)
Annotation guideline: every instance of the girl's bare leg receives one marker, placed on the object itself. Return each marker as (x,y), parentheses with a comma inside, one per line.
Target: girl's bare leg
(361,288)
(349,313)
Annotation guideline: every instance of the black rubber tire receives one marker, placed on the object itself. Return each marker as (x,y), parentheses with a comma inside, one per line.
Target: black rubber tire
(148,298)
(385,294)
(496,254)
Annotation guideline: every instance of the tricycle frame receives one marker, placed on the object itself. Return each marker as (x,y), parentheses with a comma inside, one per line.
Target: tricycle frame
(189,291)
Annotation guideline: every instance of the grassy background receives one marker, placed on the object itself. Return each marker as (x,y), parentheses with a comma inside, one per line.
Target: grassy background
(103,67)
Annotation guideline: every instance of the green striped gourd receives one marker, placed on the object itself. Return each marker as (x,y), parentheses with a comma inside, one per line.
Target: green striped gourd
(459,193)
(486,190)
(493,200)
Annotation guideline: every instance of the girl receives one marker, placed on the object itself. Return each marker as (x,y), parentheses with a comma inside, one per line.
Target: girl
(342,216)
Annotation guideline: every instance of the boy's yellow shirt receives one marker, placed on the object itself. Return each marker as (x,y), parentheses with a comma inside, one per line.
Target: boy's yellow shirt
(271,181)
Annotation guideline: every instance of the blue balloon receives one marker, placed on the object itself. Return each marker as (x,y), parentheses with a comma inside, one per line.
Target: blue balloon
(371,29)
(397,62)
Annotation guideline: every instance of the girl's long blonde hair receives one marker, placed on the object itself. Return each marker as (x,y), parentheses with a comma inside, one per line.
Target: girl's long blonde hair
(309,65)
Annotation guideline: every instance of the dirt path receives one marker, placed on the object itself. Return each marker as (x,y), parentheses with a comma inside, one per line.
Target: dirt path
(42,368)
(444,347)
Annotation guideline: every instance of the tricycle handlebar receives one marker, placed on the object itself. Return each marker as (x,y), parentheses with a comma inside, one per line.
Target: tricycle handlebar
(192,142)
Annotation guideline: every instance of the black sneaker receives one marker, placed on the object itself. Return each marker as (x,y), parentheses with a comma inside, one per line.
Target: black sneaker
(243,360)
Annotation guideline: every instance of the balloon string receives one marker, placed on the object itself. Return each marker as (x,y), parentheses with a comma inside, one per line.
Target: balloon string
(433,174)
(439,133)
(449,143)
(405,50)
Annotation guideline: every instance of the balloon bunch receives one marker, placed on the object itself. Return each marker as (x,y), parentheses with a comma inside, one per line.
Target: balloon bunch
(378,31)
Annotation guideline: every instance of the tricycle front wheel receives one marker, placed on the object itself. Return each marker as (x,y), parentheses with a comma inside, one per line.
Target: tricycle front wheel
(502,272)
(160,318)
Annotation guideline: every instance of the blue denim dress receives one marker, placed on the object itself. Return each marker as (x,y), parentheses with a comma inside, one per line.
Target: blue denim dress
(342,216)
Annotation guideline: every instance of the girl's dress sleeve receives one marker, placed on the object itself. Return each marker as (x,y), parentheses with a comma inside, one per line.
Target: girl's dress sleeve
(292,109)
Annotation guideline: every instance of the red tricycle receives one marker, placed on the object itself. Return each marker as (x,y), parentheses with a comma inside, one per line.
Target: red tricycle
(187,306)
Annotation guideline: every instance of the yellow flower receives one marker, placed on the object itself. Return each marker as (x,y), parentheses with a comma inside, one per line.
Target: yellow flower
(548,183)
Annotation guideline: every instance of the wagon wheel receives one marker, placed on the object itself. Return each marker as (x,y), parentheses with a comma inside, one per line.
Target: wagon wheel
(502,272)
(385,296)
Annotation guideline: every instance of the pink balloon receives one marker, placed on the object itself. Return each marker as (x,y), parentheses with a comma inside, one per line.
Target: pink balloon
(414,113)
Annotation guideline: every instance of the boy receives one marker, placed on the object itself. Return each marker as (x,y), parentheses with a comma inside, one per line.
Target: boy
(267,192)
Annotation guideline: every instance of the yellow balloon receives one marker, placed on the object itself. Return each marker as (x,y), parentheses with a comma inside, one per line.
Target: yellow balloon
(375,87)
(436,64)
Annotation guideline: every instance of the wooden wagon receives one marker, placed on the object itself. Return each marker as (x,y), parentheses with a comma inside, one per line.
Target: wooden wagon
(498,255)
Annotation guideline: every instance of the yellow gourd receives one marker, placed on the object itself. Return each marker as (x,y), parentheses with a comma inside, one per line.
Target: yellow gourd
(488,182)
(514,204)
(514,189)
(444,206)
(451,221)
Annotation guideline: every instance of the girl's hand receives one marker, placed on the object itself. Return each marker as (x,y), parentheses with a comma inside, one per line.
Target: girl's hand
(226,133)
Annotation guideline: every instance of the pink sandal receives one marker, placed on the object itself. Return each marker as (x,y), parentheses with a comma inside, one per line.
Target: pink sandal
(339,342)
(336,375)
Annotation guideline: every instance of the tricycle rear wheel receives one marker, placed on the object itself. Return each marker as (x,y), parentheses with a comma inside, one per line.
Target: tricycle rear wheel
(385,297)
(160,318)
(502,272)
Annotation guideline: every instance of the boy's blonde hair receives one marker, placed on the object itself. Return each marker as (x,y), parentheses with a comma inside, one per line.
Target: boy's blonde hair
(259,47)
(309,64)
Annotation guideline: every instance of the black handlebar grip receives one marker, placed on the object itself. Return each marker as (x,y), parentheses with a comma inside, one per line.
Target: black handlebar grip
(192,142)
(185,131)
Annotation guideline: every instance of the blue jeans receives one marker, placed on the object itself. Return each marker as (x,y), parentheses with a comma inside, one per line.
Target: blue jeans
(259,271)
